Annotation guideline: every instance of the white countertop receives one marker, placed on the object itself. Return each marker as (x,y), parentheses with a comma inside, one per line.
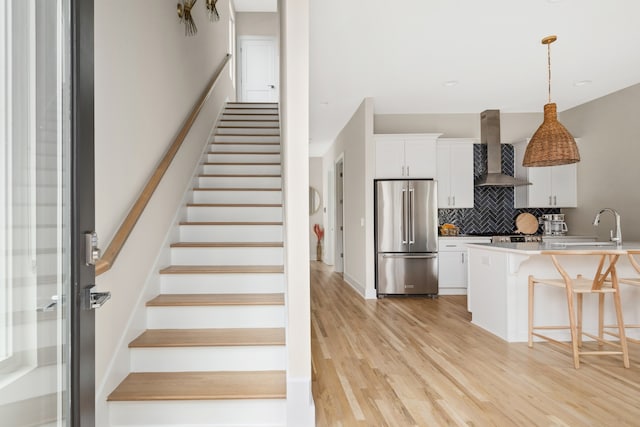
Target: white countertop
(534,248)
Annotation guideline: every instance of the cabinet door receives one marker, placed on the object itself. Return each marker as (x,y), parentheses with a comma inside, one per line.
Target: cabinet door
(461,179)
(420,158)
(540,193)
(390,158)
(443,176)
(564,184)
(452,270)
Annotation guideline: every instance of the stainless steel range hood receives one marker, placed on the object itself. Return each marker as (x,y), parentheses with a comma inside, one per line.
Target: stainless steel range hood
(490,135)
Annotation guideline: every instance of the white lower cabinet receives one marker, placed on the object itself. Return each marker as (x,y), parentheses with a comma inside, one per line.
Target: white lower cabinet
(452,264)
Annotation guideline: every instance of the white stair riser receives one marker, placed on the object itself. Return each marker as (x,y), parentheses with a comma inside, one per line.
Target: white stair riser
(227,256)
(270,105)
(231,358)
(249,130)
(252,148)
(251,124)
(230,196)
(250,316)
(250,214)
(257,110)
(231,233)
(217,413)
(239,182)
(233,116)
(242,169)
(245,138)
(239,158)
(226,283)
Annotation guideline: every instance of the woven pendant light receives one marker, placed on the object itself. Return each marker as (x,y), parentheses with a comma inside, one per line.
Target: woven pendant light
(552,144)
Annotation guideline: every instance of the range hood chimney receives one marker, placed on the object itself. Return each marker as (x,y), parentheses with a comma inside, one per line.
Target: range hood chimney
(490,135)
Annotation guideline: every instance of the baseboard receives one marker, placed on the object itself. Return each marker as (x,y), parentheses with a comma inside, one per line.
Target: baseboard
(301,410)
(357,286)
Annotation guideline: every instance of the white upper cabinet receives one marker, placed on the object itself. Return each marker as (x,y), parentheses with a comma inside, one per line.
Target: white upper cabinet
(551,186)
(455,173)
(405,156)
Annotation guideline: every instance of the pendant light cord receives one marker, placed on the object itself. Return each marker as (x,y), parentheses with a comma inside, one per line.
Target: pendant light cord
(549,68)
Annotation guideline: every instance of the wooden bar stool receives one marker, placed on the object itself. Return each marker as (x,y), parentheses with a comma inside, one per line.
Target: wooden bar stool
(634,281)
(579,286)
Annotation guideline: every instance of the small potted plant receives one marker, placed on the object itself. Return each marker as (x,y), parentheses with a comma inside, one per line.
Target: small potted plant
(319,231)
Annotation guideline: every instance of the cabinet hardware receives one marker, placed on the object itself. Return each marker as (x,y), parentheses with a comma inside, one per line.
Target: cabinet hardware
(550,201)
(454,200)
(403,170)
(408,171)
(462,257)
(555,201)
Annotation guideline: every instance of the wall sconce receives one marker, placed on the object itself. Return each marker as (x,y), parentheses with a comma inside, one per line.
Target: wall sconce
(213,11)
(184,13)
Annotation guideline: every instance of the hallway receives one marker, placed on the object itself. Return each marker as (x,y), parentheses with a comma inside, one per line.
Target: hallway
(420,362)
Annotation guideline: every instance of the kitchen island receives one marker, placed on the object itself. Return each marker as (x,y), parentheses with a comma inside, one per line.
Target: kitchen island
(497,290)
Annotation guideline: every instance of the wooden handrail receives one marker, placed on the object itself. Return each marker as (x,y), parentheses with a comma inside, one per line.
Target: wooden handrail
(115,246)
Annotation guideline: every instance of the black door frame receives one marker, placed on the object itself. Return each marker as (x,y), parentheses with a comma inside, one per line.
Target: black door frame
(82,317)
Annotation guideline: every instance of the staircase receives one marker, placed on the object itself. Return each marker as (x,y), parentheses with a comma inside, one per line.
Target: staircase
(214,350)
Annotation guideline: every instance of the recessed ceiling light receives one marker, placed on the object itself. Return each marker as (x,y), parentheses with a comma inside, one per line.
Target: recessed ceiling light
(450,83)
(581,82)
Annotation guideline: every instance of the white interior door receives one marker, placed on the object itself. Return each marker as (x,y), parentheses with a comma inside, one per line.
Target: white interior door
(258,69)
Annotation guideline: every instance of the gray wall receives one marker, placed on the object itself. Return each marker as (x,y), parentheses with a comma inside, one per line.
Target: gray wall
(257,24)
(608,172)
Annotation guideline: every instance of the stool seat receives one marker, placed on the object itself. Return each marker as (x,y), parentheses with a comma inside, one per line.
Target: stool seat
(604,282)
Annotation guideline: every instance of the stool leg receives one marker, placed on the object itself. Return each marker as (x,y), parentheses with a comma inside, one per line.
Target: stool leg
(531,285)
(600,318)
(623,337)
(572,326)
(579,333)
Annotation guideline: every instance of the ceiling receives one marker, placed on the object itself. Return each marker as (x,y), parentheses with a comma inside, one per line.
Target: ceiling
(464,56)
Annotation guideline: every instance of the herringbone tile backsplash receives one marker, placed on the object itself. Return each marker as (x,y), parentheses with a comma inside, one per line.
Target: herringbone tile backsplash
(493,210)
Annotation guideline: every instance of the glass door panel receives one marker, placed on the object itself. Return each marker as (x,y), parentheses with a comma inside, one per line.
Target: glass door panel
(34,212)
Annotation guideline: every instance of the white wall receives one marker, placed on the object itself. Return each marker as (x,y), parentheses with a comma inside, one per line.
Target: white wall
(257,24)
(315,181)
(608,172)
(355,143)
(294,66)
(148,76)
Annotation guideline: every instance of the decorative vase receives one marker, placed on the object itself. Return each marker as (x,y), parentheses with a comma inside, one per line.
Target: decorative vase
(319,251)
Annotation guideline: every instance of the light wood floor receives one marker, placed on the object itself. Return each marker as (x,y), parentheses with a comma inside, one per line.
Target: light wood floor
(420,362)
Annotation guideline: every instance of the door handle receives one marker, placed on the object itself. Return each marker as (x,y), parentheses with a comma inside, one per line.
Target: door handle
(412,215)
(405,236)
(409,256)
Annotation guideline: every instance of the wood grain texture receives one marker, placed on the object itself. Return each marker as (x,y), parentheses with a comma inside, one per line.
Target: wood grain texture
(201,386)
(227,245)
(190,300)
(115,246)
(222,269)
(209,337)
(420,362)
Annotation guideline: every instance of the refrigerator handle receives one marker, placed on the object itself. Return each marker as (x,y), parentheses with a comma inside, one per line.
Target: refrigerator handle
(412,216)
(404,217)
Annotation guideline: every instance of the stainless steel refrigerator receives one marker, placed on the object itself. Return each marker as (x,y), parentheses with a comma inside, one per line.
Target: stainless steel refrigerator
(406,237)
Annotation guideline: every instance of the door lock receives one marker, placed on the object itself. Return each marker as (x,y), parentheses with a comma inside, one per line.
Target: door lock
(93,300)
(92,252)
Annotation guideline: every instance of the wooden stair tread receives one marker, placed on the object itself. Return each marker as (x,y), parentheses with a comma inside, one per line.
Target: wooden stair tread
(234,205)
(239,175)
(199,300)
(250,153)
(245,127)
(250,120)
(209,337)
(140,386)
(227,245)
(231,223)
(247,134)
(244,143)
(242,164)
(236,189)
(222,269)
